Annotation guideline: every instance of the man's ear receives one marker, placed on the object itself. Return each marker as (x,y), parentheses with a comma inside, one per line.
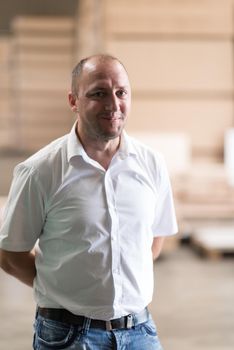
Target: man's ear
(72,102)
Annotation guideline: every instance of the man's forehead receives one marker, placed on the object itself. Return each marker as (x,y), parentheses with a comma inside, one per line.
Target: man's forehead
(95,73)
(96,63)
(101,68)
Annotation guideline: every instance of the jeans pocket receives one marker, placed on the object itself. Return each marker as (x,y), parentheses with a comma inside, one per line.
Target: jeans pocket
(51,334)
(148,328)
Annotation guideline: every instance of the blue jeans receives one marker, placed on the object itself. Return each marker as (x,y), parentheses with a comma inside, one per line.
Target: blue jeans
(57,335)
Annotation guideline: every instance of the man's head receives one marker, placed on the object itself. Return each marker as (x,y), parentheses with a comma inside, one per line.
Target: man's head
(101,96)
(79,68)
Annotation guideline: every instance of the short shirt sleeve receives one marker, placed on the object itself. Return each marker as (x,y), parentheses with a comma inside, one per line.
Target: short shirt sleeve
(165,222)
(24,214)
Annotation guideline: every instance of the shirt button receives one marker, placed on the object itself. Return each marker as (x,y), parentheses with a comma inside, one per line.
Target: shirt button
(121,156)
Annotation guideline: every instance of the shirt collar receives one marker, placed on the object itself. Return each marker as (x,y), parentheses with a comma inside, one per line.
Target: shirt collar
(75,148)
(126,147)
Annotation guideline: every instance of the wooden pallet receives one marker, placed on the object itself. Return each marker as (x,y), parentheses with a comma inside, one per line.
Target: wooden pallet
(213,242)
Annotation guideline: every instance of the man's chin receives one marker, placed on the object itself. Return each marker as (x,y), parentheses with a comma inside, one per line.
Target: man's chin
(111,134)
(108,137)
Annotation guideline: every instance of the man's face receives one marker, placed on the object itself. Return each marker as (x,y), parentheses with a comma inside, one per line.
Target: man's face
(103,101)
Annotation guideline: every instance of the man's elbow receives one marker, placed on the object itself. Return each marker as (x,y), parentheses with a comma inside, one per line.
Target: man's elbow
(156,255)
(4,263)
(157,246)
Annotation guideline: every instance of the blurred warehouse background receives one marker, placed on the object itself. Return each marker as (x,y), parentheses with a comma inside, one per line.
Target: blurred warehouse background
(180,59)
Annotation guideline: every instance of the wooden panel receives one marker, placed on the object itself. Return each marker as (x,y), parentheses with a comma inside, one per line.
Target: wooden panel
(47,24)
(175,148)
(89,28)
(204,121)
(212,17)
(32,133)
(46,42)
(33,137)
(5,124)
(54,73)
(5,50)
(40,119)
(55,99)
(46,79)
(42,58)
(177,65)
(41,86)
(5,46)
(5,138)
(5,79)
(4,104)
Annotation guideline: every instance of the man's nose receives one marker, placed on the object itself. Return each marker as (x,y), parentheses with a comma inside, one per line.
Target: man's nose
(112,103)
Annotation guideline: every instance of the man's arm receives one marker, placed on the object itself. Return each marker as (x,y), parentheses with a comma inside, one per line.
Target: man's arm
(21,265)
(157,246)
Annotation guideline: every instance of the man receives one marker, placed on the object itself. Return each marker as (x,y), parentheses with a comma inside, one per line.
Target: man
(99,204)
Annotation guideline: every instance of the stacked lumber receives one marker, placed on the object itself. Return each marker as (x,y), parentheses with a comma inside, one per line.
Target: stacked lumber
(43,48)
(182,77)
(5,89)
(205,209)
(204,196)
(175,148)
(179,55)
(214,241)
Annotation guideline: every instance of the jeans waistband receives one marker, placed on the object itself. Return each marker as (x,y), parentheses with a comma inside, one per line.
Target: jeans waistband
(66,316)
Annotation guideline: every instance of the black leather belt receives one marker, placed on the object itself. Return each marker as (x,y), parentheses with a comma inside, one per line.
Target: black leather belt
(66,316)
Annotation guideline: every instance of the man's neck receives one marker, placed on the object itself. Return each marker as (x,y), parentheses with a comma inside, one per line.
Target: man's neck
(100,150)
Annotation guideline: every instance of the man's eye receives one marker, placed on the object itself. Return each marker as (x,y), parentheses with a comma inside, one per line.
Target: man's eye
(98,94)
(122,93)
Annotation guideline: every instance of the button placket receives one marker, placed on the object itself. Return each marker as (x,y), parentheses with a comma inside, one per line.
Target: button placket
(114,229)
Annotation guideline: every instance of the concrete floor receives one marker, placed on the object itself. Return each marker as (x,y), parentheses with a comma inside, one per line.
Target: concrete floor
(193,304)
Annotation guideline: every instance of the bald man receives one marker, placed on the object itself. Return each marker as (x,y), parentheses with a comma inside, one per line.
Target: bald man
(86,216)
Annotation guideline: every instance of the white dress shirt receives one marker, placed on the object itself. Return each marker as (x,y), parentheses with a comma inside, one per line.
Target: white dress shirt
(93,227)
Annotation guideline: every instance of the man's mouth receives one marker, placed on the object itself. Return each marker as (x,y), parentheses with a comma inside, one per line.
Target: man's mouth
(112,117)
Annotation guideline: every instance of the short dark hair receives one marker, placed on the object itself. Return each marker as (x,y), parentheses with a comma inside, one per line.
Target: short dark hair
(78,69)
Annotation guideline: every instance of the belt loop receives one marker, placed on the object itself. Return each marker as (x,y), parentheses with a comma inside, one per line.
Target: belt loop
(130,321)
(108,326)
(36,313)
(86,325)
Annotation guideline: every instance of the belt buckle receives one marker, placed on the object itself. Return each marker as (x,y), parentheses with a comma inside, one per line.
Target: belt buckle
(108,326)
